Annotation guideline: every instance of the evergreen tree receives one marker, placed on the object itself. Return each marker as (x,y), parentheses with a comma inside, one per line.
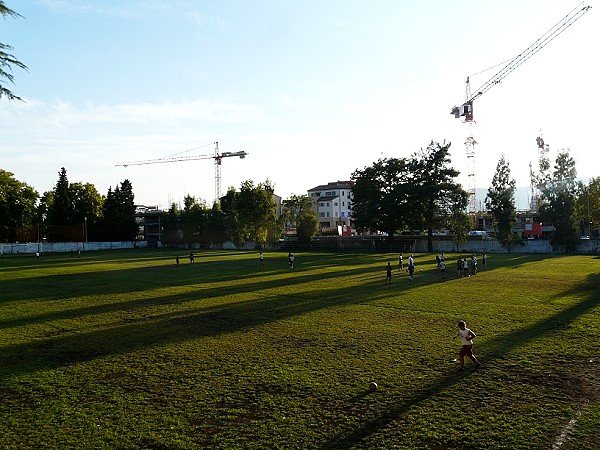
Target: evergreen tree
(61,211)
(500,201)
(118,223)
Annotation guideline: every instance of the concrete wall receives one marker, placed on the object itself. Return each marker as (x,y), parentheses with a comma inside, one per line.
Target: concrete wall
(53,247)
(419,246)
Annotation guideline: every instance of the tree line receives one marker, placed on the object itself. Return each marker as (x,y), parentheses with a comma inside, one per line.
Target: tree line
(421,194)
(247,215)
(77,212)
(69,212)
(393,195)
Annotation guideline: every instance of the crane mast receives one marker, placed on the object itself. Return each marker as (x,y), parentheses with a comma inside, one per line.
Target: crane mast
(218,158)
(466,109)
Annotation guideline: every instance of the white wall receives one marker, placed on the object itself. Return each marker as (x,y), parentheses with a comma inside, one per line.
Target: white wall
(53,247)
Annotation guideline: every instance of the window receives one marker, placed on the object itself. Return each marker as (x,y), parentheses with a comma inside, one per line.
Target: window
(343,203)
(343,193)
(327,204)
(335,203)
(321,204)
(321,214)
(327,215)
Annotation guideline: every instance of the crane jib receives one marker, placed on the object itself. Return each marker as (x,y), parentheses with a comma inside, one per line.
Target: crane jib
(466,109)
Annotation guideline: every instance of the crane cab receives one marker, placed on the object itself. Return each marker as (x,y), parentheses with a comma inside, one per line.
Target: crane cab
(465,110)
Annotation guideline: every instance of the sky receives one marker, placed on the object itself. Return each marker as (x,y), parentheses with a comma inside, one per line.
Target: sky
(312,90)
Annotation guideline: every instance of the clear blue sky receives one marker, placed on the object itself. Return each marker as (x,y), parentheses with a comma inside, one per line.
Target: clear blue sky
(312,90)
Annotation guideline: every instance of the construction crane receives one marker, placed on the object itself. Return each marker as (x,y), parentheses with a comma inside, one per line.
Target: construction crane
(466,109)
(218,157)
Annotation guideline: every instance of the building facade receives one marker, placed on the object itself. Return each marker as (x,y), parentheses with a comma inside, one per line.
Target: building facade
(333,204)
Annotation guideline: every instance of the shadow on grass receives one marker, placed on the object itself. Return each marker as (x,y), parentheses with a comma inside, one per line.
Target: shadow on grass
(195,278)
(64,347)
(498,348)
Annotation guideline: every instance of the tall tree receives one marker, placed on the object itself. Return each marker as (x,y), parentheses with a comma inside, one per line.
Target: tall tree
(436,192)
(382,196)
(558,200)
(44,206)
(215,226)
(61,211)
(500,201)
(170,223)
(257,213)
(87,207)
(230,216)
(193,219)
(587,207)
(7,60)
(460,223)
(118,223)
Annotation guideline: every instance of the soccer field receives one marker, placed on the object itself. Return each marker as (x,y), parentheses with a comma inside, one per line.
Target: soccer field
(126,350)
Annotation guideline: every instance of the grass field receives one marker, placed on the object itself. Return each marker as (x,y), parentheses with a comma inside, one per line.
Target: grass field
(125,350)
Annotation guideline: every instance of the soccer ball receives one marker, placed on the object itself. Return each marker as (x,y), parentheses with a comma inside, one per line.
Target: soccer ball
(373,386)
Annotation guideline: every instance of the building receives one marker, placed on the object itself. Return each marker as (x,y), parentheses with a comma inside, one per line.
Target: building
(148,220)
(333,204)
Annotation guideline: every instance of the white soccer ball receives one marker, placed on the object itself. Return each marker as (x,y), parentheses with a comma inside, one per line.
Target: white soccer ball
(373,386)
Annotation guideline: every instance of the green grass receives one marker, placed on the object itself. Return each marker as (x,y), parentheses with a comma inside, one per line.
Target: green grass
(125,350)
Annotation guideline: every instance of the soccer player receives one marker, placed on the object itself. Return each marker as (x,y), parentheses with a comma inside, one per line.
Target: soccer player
(466,338)
(388,273)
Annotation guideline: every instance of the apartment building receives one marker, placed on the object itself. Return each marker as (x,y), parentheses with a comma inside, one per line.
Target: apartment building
(333,204)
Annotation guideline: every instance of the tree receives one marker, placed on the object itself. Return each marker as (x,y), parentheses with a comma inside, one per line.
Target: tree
(460,222)
(215,225)
(17,201)
(7,60)
(298,214)
(294,208)
(558,199)
(500,201)
(434,191)
(230,215)
(192,219)
(381,196)
(170,223)
(587,207)
(17,209)
(43,208)
(118,211)
(249,215)
(61,210)
(87,207)
(257,212)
